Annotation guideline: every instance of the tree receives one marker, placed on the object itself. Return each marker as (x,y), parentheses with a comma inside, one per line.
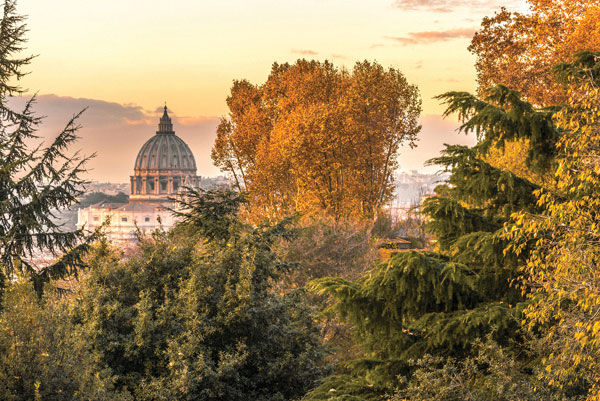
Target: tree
(192,315)
(520,50)
(322,246)
(512,156)
(34,183)
(441,303)
(563,270)
(315,138)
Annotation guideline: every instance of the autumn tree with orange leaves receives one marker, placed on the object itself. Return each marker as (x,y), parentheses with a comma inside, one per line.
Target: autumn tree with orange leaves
(315,138)
(520,50)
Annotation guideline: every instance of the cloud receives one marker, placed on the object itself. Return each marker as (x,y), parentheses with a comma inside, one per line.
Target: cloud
(115,132)
(305,52)
(447,6)
(417,38)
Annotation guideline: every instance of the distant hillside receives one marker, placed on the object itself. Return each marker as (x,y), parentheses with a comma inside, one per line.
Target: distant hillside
(69,217)
(96,197)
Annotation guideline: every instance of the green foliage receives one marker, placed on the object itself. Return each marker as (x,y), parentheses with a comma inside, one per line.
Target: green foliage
(478,183)
(503,116)
(192,315)
(353,388)
(39,356)
(212,214)
(493,373)
(450,220)
(416,303)
(96,197)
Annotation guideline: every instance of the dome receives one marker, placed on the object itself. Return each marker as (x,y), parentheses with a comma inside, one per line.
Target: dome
(163,166)
(165,151)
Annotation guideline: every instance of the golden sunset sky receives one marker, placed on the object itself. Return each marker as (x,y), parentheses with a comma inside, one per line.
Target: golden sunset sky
(124,59)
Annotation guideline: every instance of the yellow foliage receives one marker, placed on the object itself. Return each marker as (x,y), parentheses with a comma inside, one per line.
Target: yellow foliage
(512,157)
(563,270)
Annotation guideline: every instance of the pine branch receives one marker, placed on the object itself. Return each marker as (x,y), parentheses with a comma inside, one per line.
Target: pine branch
(478,183)
(449,220)
(502,116)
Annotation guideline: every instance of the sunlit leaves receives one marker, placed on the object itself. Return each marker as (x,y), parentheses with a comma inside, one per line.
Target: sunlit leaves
(563,270)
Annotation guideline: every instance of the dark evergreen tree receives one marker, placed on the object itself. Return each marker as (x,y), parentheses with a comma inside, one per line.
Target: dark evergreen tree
(441,303)
(34,183)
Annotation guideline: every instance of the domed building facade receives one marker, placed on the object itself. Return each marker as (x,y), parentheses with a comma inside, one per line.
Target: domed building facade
(164,166)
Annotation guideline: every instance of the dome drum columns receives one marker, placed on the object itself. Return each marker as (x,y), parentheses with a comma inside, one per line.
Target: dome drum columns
(161,184)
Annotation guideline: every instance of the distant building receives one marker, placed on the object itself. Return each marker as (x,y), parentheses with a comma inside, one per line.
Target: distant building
(164,165)
(391,247)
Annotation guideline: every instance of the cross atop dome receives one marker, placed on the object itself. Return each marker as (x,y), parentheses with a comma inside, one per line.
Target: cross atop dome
(165,126)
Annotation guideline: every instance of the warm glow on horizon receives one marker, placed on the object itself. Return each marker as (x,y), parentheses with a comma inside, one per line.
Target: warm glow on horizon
(187,53)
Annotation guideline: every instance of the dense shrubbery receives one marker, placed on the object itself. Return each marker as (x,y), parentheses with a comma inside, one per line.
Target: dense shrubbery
(40,355)
(190,315)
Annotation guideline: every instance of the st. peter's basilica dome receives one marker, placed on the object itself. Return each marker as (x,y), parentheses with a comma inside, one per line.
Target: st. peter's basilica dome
(163,165)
